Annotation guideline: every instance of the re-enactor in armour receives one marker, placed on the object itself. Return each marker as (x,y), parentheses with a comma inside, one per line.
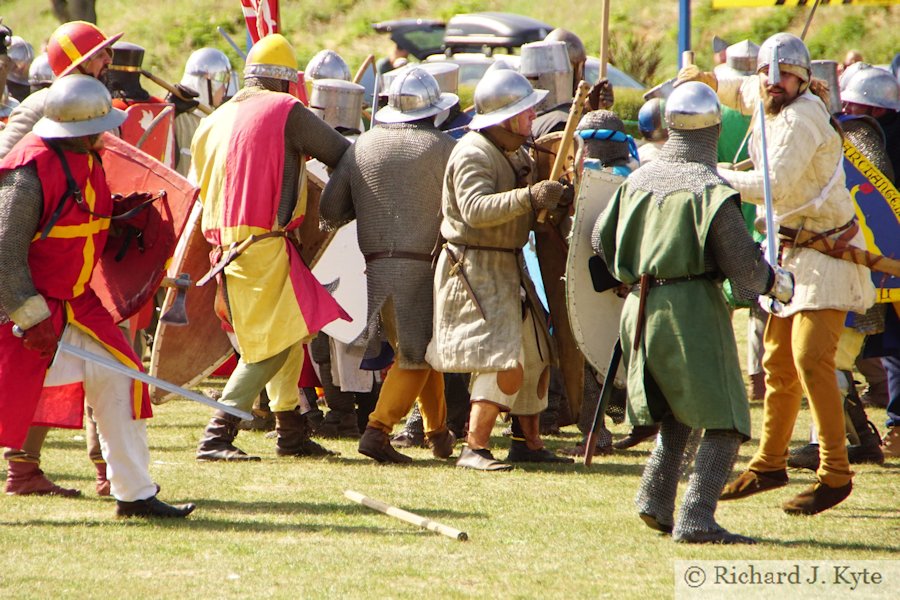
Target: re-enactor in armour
(485,320)
(672,233)
(398,220)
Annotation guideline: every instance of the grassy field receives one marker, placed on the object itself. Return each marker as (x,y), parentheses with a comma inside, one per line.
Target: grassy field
(282,528)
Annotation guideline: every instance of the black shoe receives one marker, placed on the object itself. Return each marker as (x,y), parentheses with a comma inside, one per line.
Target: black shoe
(805,457)
(519,452)
(408,439)
(480,460)
(638,434)
(652,522)
(153,507)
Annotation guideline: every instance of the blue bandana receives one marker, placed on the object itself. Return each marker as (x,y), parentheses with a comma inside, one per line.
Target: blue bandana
(609,135)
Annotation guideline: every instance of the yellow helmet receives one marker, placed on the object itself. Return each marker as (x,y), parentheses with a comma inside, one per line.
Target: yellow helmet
(273,57)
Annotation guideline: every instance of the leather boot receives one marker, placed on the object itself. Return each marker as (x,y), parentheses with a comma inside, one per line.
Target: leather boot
(638,434)
(217,442)
(339,425)
(27,479)
(153,508)
(292,431)
(376,444)
(758,386)
(441,443)
(816,498)
(102,483)
(869,448)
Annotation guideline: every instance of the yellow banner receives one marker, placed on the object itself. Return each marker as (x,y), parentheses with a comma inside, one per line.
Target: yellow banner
(810,3)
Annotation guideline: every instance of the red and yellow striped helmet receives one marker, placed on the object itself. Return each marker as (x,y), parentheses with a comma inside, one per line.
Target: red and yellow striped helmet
(74,43)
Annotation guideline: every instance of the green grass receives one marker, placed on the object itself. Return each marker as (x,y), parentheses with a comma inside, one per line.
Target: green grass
(282,528)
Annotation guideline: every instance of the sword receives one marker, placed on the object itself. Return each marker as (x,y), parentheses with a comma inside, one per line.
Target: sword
(121,369)
(231,42)
(771,232)
(605,393)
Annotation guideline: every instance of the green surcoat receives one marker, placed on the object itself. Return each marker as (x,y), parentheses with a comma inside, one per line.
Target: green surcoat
(686,361)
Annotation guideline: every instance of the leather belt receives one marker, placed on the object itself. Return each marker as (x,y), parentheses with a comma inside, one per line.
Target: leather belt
(841,235)
(235,250)
(397,254)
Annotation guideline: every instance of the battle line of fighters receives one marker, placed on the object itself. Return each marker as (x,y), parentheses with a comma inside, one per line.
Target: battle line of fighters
(449,267)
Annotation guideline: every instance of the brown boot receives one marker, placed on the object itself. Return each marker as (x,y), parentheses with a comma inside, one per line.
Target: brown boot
(758,386)
(816,498)
(753,482)
(891,442)
(376,444)
(292,436)
(102,483)
(27,479)
(217,442)
(441,443)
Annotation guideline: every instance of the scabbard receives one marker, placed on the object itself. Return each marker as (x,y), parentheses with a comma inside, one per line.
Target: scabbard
(642,307)
(459,270)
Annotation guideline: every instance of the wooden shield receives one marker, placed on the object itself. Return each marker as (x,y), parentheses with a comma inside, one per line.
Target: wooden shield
(593,317)
(134,260)
(552,248)
(310,241)
(150,127)
(185,355)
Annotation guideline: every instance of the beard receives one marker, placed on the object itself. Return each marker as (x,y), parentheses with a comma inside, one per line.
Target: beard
(774,104)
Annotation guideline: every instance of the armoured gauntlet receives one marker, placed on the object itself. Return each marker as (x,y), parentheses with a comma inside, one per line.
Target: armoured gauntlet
(545,194)
(783,287)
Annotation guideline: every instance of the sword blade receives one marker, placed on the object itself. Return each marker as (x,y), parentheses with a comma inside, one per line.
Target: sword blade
(121,369)
(771,238)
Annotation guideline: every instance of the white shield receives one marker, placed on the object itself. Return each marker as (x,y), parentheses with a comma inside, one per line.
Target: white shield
(594,317)
(342,265)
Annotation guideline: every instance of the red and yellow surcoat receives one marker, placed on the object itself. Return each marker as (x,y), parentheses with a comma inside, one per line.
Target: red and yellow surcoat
(239,154)
(61,266)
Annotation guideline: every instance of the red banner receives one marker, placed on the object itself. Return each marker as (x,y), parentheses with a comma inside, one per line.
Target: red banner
(262,17)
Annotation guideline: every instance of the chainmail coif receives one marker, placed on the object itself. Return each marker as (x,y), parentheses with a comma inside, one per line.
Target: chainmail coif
(607,152)
(865,133)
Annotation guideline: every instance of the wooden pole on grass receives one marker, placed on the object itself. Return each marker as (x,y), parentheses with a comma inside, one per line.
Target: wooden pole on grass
(399,513)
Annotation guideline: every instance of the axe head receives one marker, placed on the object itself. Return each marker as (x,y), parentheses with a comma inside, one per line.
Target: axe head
(177,313)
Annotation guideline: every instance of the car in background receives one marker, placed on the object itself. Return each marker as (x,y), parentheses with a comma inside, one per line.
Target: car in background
(475,41)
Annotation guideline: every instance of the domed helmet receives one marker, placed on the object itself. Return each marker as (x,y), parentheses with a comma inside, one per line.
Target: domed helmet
(75,106)
(40,75)
(692,105)
(208,72)
(850,71)
(74,43)
(414,95)
(22,54)
(546,66)
(574,48)
(326,64)
(272,57)
(873,87)
(787,52)
(651,120)
(502,94)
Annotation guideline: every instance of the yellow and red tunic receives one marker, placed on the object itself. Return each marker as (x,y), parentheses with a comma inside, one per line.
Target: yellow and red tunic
(61,266)
(239,154)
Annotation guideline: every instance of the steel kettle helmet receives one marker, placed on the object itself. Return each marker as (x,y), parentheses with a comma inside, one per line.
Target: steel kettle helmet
(75,106)
(501,94)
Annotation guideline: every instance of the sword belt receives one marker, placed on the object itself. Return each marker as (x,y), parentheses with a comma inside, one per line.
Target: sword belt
(839,237)
(234,250)
(457,267)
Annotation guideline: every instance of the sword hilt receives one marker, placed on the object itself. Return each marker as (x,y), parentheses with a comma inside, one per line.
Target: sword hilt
(18,331)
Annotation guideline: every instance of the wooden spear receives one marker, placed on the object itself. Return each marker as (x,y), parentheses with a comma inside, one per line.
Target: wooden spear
(409,517)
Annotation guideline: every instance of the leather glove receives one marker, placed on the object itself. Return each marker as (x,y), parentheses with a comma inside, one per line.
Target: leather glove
(783,288)
(545,194)
(41,338)
(601,95)
(185,104)
(693,73)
